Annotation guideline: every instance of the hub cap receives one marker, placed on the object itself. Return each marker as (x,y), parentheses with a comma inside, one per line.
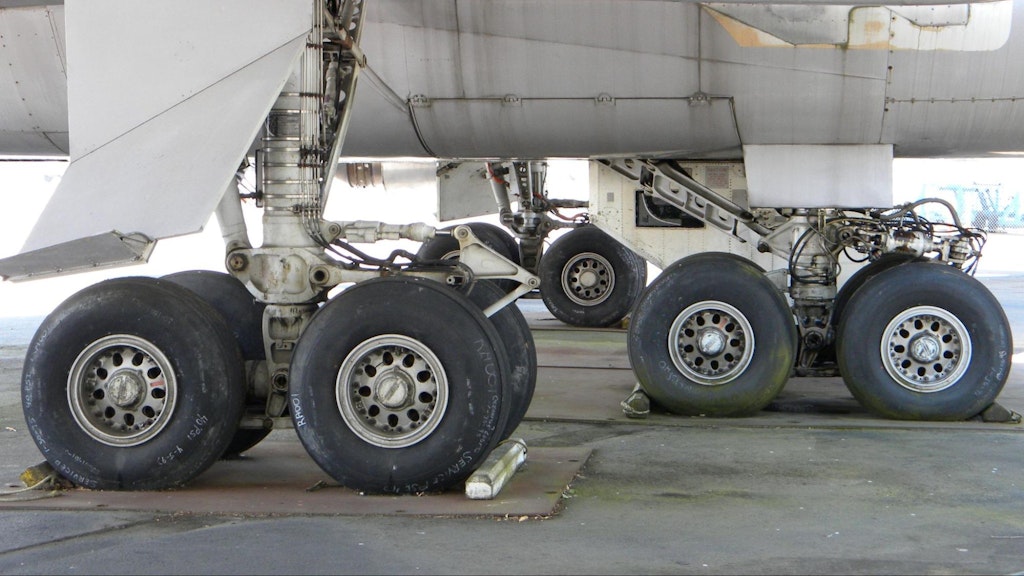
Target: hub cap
(392,391)
(711,342)
(122,390)
(926,349)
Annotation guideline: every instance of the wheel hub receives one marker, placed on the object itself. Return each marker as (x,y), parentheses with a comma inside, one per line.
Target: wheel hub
(711,342)
(394,389)
(926,349)
(125,388)
(588,279)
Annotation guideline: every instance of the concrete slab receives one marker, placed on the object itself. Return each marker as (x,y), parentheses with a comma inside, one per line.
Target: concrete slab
(593,395)
(26,530)
(278,477)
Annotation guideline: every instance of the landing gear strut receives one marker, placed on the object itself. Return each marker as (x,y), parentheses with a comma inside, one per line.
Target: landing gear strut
(913,335)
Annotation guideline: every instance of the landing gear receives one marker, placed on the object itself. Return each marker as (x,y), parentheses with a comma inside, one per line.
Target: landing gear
(133,384)
(400,384)
(244,315)
(589,279)
(924,341)
(712,336)
(400,398)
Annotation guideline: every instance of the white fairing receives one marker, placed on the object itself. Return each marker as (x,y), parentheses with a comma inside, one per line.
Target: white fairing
(33,82)
(783,175)
(160,127)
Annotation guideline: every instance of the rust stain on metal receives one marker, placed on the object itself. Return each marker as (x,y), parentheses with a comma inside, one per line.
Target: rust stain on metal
(746,35)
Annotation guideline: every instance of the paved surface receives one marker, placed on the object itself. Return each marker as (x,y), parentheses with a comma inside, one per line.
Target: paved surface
(814,485)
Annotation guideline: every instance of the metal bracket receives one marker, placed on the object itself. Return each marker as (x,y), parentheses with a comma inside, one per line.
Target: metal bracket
(486,263)
(667,181)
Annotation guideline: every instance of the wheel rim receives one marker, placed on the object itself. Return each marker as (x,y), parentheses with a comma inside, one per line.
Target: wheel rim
(392,391)
(711,342)
(122,390)
(926,349)
(588,279)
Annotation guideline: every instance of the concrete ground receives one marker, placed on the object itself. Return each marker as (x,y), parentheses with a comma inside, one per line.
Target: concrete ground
(813,485)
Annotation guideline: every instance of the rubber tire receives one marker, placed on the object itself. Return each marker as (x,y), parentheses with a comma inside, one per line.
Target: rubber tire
(470,352)
(713,277)
(495,237)
(205,360)
(228,296)
(519,347)
(628,269)
(244,315)
(886,296)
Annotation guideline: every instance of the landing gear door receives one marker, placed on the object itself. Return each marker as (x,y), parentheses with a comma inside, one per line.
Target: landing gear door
(463,191)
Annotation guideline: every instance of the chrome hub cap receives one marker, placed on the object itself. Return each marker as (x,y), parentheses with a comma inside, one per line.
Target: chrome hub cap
(711,342)
(394,389)
(925,348)
(125,388)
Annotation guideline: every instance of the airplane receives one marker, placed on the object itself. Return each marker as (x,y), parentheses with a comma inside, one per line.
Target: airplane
(744,148)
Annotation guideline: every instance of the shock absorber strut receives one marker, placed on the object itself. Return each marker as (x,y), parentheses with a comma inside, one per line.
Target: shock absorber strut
(295,163)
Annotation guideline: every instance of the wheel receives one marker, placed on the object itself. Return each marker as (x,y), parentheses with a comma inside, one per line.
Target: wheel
(924,341)
(712,336)
(244,315)
(229,297)
(132,384)
(397,386)
(588,279)
(495,237)
(519,347)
